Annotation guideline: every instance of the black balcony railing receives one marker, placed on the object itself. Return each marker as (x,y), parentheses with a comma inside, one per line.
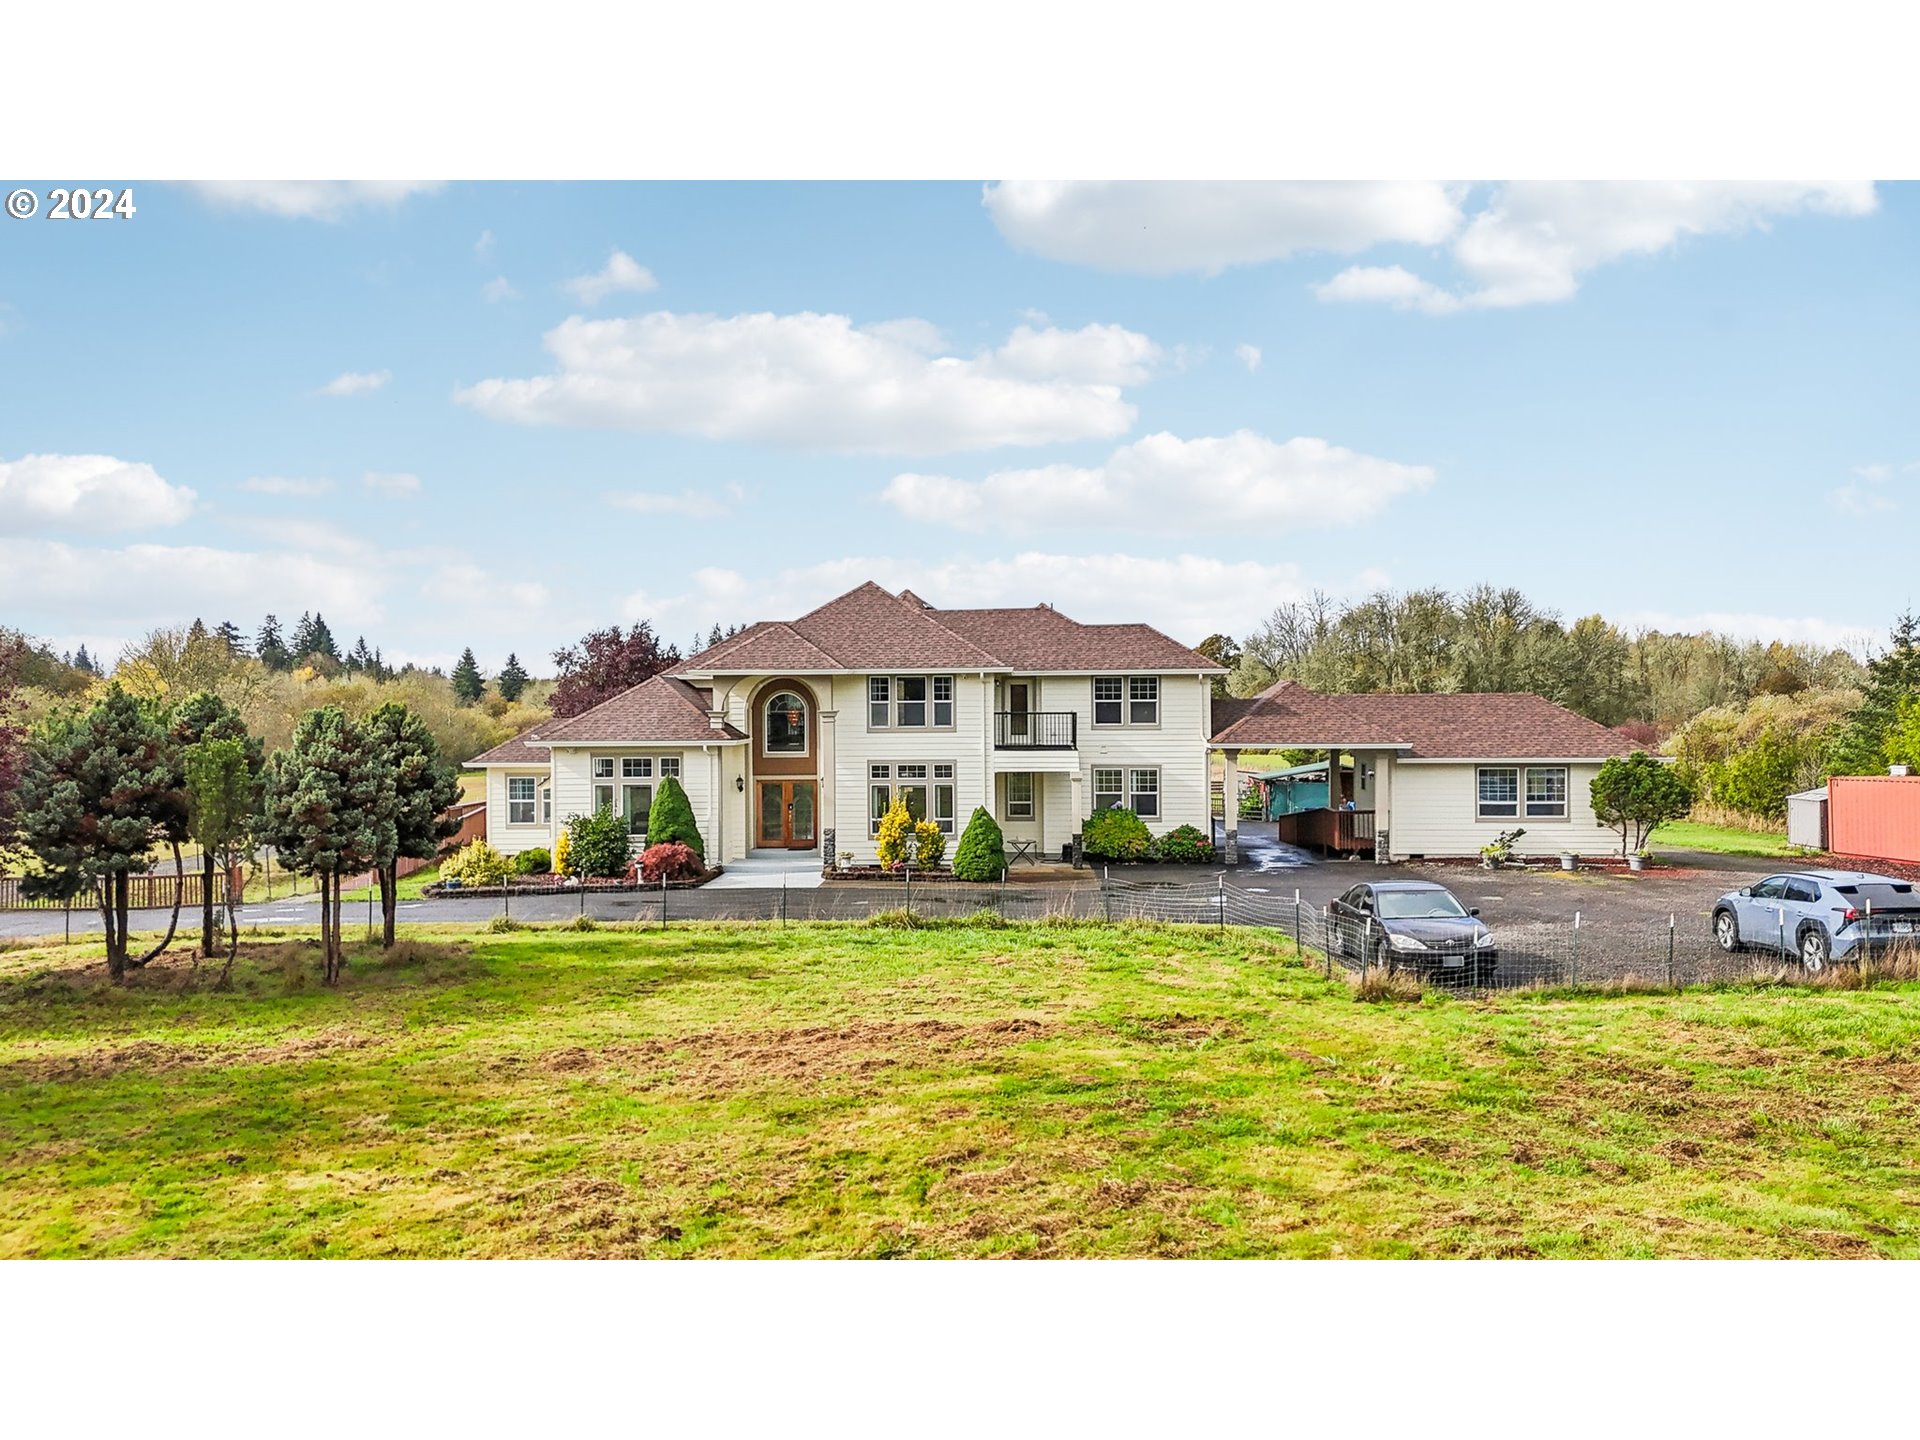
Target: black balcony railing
(1036,730)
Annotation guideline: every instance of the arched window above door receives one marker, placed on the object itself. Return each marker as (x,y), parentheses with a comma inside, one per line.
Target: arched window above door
(784,727)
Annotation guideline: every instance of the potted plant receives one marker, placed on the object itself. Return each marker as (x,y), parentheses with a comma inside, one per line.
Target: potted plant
(1567,859)
(1637,861)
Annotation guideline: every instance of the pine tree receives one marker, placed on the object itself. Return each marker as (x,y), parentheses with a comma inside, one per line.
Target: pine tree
(101,788)
(361,660)
(468,684)
(269,646)
(671,822)
(301,643)
(512,679)
(328,811)
(228,634)
(1892,677)
(196,721)
(311,637)
(83,661)
(425,787)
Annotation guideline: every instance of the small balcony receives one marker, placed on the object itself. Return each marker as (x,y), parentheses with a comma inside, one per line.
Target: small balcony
(1036,730)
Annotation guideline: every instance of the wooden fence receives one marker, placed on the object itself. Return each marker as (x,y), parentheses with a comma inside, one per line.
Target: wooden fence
(144,892)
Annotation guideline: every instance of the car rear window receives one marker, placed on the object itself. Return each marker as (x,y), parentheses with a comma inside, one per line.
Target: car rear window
(1886,897)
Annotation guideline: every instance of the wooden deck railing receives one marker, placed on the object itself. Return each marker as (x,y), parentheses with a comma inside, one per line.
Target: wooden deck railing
(1338,832)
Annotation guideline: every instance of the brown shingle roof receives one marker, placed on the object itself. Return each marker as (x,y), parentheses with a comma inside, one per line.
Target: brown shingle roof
(869,629)
(515,751)
(654,711)
(1453,727)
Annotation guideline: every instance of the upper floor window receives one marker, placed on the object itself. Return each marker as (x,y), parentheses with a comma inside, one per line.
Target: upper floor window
(910,702)
(786,728)
(1126,700)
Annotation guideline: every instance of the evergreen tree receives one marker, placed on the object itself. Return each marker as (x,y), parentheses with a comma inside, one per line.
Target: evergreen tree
(362,660)
(312,638)
(228,634)
(101,789)
(301,643)
(468,684)
(13,755)
(84,662)
(670,821)
(425,787)
(197,720)
(981,853)
(1893,677)
(271,648)
(512,679)
(328,810)
(223,797)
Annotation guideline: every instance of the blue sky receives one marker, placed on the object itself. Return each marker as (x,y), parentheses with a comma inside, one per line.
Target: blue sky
(447,416)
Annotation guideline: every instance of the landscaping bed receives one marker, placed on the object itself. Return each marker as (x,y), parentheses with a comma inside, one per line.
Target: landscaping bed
(563,885)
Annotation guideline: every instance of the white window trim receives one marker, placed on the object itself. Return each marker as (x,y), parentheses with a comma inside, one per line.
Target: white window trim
(894,700)
(807,721)
(1566,794)
(1118,791)
(1133,795)
(885,775)
(532,801)
(1028,802)
(1126,720)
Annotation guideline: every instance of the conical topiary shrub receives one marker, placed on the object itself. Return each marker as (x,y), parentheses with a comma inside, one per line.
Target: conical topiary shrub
(670,822)
(982,853)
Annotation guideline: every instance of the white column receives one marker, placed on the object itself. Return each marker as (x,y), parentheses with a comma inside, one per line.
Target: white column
(1230,804)
(829,781)
(1383,805)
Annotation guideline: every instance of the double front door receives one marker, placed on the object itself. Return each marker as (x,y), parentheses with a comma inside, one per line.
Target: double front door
(786,814)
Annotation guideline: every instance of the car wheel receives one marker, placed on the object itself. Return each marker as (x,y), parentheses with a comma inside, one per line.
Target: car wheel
(1814,950)
(1726,931)
(1383,956)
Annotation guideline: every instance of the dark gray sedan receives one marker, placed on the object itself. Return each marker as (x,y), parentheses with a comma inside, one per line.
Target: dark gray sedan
(1414,925)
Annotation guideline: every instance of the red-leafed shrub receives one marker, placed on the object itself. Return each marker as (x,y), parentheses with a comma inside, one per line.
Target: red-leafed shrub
(670,862)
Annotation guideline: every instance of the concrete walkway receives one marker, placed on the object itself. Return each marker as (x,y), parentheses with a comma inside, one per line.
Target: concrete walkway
(771,870)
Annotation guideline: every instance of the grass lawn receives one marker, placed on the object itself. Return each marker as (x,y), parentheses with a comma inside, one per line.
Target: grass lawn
(864,1090)
(1725,839)
(410,886)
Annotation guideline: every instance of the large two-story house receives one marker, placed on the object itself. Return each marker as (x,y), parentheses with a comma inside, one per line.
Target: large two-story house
(798,734)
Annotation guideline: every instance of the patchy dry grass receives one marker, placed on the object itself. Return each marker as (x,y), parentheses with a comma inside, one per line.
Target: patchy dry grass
(880,1090)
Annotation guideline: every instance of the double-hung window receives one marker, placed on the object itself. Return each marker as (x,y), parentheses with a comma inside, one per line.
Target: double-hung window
(910,710)
(603,793)
(1143,793)
(1109,789)
(943,798)
(910,702)
(1499,792)
(1143,700)
(521,791)
(943,700)
(1546,792)
(1108,693)
(879,701)
(1020,795)
(879,795)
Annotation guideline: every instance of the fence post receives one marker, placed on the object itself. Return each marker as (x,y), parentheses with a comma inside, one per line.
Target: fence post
(1003,892)
(583,898)
(909,889)
(1106,895)
(663,899)
(1670,923)
(1296,922)
(1780,915)
(1326,941)
(506,898)
(1573,976)
(1220,893)
(783,899)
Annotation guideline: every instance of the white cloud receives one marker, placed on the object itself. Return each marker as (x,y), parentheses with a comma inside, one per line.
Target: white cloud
(1534,240)
(130,590)
(310,199)
(1151,486)
(1187,596)
(391,484)
(483,247)
(285,485)
(1247,355)
(356,382)
(497,289)
(478,594)
(97,492)
(819,382)
(691,504)
(621,274)
(1162,227)
(1855,499)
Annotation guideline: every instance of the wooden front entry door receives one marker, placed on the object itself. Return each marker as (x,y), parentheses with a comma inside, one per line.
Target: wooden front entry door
(786,814)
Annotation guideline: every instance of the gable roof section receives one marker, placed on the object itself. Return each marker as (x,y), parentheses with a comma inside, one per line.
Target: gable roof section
(1422,727)
(869,629)
(515,751)
(657,711)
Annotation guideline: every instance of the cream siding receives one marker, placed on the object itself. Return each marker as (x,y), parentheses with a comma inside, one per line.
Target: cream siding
(1434,812)
(512,839)
(859,746)
(573,782)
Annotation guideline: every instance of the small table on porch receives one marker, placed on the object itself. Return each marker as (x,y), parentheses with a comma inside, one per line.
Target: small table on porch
(1023,850)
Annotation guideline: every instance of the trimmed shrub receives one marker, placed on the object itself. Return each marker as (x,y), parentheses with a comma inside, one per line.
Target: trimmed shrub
(1186,845)
(896,835)
(1116,834)
(982,851)
(475,864)
(929,845)
(670,862)
(560,848)
(533,862)
(597,845)
(670,822)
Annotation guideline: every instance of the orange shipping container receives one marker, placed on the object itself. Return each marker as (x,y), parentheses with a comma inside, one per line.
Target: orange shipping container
(1877,816)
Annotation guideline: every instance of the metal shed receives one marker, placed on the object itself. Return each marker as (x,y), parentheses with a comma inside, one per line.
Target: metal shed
(1807,819)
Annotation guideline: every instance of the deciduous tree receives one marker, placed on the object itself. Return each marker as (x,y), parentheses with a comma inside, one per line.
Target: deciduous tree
(605,663)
